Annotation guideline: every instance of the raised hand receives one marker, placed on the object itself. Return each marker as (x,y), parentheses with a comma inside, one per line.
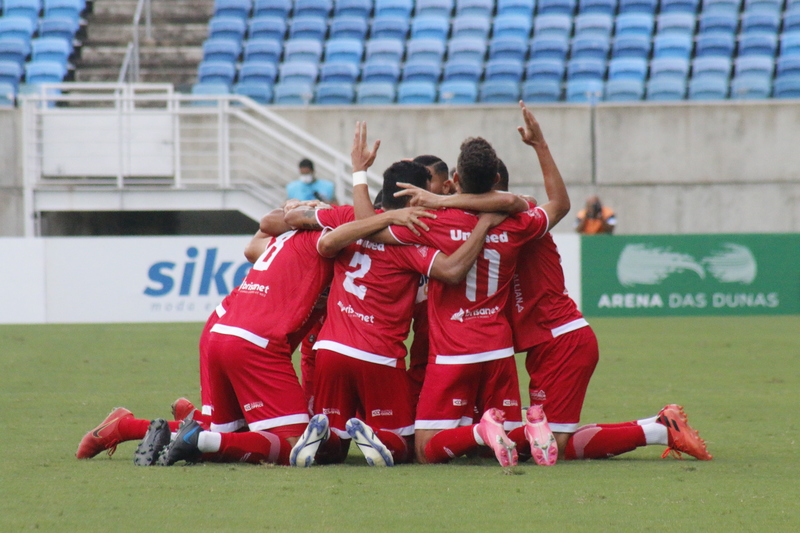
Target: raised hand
(531,133)
(360,155)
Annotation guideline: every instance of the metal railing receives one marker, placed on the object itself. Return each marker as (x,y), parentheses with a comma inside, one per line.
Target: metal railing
(130,70)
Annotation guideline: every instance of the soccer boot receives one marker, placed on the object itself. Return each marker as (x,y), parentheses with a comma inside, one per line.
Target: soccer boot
(369,444)
(183,447)
(157,436)
(316,433)
(490,429)
(104,437)
(544,448)
(181,408)
(682,438)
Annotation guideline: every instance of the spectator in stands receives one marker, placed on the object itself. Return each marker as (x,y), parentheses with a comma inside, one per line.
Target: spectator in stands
(308,187)
(595,218)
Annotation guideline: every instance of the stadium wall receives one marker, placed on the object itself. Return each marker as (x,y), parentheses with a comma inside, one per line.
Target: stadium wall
(11,190)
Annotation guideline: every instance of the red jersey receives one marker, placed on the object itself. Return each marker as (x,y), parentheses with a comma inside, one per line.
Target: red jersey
(372,297)
(279,292)
(468,322)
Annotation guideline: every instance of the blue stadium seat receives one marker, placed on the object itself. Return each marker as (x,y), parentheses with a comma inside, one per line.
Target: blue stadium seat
(51,49)
(227,28)
(348,27)
(787,86)
(624,90)
(790,43)
(760,21)
(430,28)
(499,92)
(260,92)
(308,28)
(209,89)
(40,71)
(261,72)
(312,8)
(556,24)
(292,93)
(715,44)
(556,7)
(603,7)
(631,46)
(263,50)
(23,8)
(216,72)
(63,27)
(381,71)
(590,47)
(708,88)
(458,92)
(390,28)
(545,69)
(481,8)
(471,26)
(586,69)
(718,21)
(219,49)
(436,8)
(549,47)
(669,67)
(11,73)
(522,8)
(711,66)
(593,24)
(267,27)
(8,94)
(512,26)
(676,23)
(272,8)
(635,24)
(18,27)
(466,48)
(353,8)
(791,19)
(14,49)
(304,50)
(627,68)
(751,87)
(509,48)
(583,91)
(416,92)
(504,70)
(344,51)
(638,6)
(787,66)
(334,93)
(338,72)
(422,70)
(770,6)
(375,93)
(673,45)
(721,5)
(233,8)
(393,8)
(758,44)
(389,50)
(461,70)
(754,65)
(666,88)
(541,91)
(679,6)
(64,8)
(298,73)
(425,49)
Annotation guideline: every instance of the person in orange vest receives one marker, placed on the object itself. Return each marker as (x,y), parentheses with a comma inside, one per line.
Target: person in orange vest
(595,218)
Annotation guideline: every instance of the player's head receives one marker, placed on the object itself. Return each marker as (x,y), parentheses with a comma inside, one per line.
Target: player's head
(439,172)
(402,172)
(476,170)
(502,171)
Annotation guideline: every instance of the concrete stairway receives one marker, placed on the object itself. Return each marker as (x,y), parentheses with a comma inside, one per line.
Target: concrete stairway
(179,29)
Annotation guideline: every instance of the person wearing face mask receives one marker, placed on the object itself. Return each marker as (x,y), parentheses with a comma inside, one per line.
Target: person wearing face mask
(308,187)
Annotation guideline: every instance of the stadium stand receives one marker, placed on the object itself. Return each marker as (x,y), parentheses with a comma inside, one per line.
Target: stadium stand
(458,92)
(375,92)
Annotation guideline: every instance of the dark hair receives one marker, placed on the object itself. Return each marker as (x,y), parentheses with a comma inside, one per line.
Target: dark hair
(405,172)
(477,166)
(502,183)
(378,203)
(306,163)
(435,163)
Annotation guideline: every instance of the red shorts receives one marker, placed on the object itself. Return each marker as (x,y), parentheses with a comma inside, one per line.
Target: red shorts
(453,395)
(205,385)
(349,387)
(560,370)
(254,386)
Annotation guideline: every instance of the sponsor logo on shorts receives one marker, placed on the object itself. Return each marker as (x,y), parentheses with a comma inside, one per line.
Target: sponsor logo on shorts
(459,402)
(349,311)
(538,395)
(510,403)
(458,235)
(329,411)
(254,288)
(253,405)
(462,314)
(382,412)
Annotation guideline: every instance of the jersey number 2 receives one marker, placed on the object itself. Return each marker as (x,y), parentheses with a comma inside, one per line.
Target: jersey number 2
(349,278)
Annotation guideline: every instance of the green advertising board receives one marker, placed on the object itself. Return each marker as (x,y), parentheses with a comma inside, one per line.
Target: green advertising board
(660,275)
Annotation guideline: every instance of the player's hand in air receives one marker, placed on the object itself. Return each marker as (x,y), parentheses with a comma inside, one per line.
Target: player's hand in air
(411,217)
(361,156)
(531,133)
(419,197)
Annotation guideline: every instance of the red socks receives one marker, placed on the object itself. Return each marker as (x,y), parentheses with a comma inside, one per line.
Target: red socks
(450,443)
(135,428)
(396,444)
(332,451)
(254,447)
(600,441)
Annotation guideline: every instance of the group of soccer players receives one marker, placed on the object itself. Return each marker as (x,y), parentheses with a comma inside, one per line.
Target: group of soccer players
(479,276)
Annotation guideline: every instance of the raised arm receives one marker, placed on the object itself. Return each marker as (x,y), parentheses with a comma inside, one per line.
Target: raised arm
(362,157)
(454,268)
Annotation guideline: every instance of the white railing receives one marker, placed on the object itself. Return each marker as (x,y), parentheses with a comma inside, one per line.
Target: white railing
(145,137)
(130,70)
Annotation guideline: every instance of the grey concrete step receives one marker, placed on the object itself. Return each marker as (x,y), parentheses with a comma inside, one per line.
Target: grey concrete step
(162,10)
(163,34)
(178,76)
(151,56)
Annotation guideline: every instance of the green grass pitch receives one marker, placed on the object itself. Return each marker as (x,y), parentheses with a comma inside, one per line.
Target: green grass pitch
(738,378)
